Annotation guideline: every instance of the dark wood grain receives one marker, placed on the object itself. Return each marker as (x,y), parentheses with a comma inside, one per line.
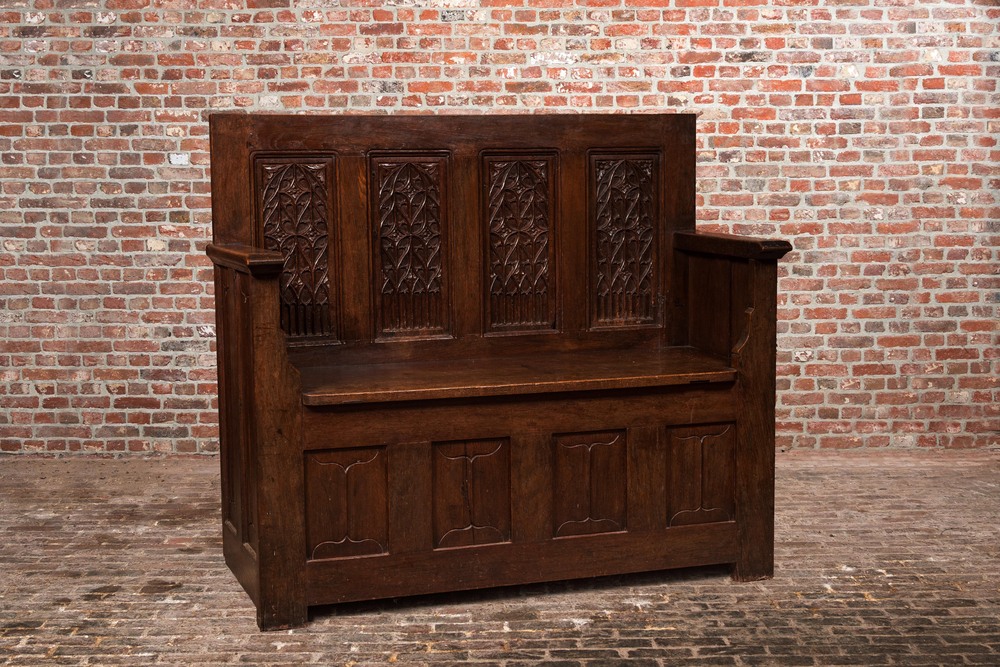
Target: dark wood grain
(257,262)
(525,414)
(465,351)
(754,356)
(730,245)
(504,376)
(519,563)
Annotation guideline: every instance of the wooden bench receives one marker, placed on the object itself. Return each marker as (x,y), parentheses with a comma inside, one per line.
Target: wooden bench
(471,351)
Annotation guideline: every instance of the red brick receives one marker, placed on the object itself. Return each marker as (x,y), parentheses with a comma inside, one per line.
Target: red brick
(884,180)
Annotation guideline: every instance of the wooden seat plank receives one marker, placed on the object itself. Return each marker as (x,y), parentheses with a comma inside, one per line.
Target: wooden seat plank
(530,374)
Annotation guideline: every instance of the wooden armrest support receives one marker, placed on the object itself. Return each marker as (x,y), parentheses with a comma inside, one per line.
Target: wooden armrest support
(257,262)
(730,245)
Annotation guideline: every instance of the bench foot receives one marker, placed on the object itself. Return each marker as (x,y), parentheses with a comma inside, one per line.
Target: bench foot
(752,571)
(281,618)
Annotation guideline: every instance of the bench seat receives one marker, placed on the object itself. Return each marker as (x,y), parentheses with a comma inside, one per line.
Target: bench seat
(458,352)
(504,376)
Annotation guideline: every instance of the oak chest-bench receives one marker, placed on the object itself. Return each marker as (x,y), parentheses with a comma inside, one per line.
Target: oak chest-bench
(470,351)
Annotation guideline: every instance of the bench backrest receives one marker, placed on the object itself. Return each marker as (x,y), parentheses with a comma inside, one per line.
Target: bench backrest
(461,233)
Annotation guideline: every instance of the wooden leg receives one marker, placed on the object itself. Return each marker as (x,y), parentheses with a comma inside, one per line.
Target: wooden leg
(755,516)
(281,615)
(755,500)
(756,552)
(754,357)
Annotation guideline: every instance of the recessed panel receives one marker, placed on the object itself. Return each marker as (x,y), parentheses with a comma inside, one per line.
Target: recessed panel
(702,474)
(471,492)
(346,506)
(624,200)
(294,206)
(519,203)
(410,210)
(590,485)
(239,447)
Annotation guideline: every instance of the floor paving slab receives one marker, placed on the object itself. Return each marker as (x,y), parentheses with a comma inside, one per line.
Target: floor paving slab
(882,558)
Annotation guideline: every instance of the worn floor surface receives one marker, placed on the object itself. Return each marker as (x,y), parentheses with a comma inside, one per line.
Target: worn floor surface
(882,558)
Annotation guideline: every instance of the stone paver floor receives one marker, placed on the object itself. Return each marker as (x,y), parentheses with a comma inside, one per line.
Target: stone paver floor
(882,558)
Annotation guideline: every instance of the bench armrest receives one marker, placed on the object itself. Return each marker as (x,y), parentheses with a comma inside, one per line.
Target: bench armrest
(730,245)
(257,262)
(729,286)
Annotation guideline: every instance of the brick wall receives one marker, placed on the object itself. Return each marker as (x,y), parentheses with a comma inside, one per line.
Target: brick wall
(863,131)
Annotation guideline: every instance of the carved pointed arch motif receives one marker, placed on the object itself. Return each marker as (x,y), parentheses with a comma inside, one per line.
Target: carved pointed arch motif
(624,199)
(520,212)
(410,227)
(294,207)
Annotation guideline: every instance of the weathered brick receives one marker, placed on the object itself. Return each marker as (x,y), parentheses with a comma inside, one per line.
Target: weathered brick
(878,561)
(824,125)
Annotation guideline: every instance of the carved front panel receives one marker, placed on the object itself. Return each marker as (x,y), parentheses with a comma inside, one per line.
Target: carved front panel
(520,211)
(702,474)
(624,208)
(590,483)
(293,202)
(346,506)
(410,226)
(471,492)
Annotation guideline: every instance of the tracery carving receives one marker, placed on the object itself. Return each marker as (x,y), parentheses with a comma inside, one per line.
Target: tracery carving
(294,205)
(625,215)
(410,221)
(520,215)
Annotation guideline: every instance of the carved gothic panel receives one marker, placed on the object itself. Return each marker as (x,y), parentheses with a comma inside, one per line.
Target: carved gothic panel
(346,510)
(294,207)
(702,475)
(471,493)
(520,210)
(410,225)
(590,483)
(624,200)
